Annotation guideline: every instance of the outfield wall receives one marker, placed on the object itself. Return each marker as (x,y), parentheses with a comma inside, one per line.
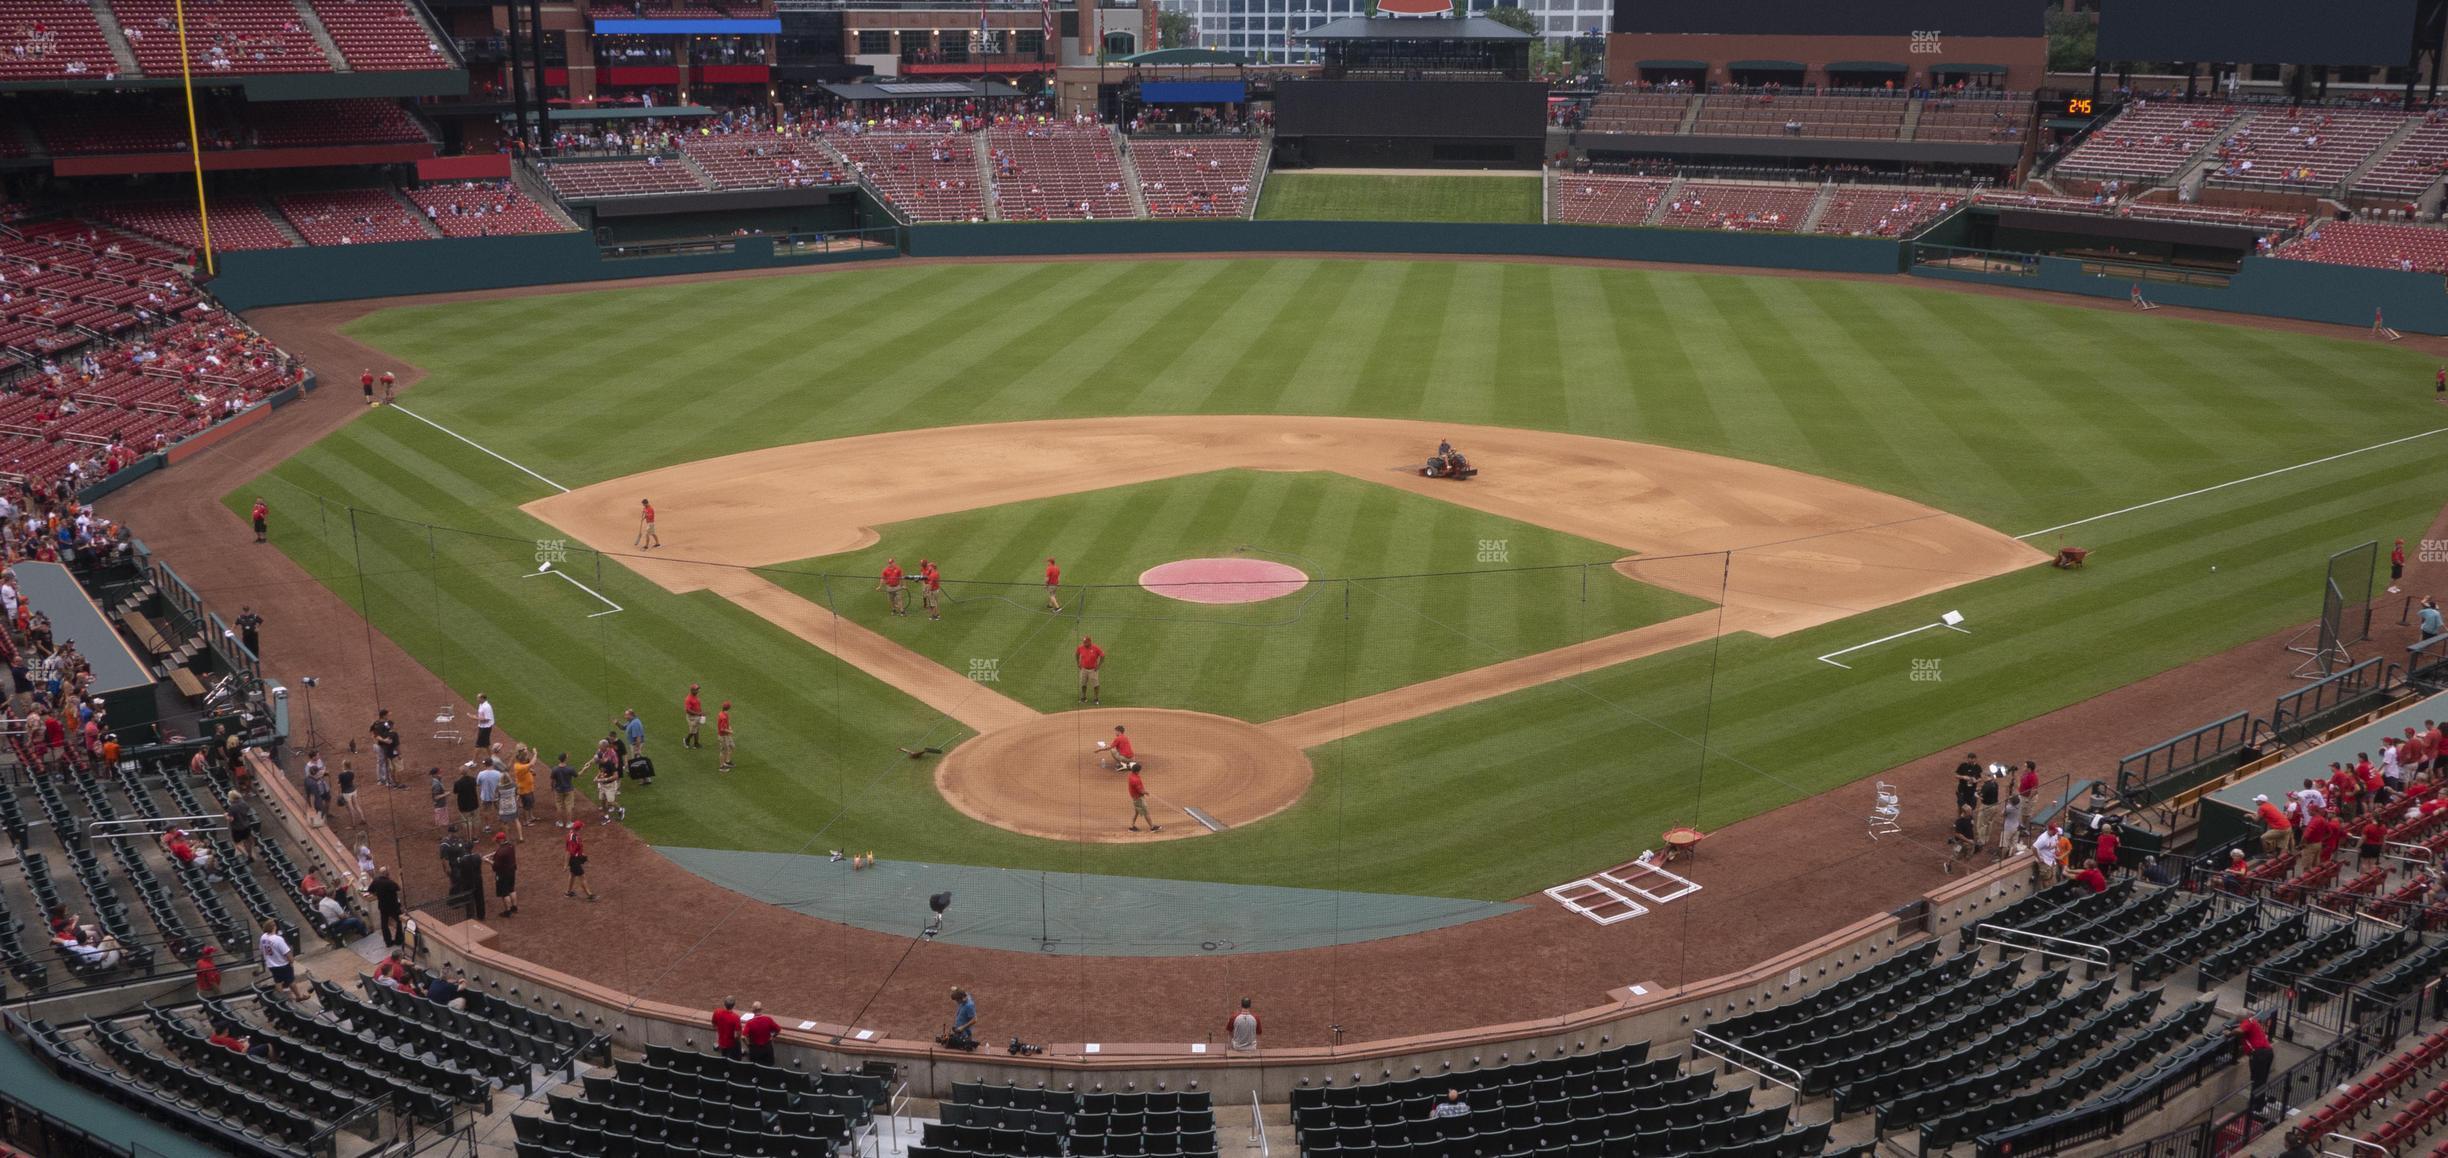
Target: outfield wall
(2266,286)
(2269,287)
(1684,246)
(326,273)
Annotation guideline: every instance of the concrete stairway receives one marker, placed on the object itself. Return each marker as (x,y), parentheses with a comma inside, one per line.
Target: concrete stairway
(117,38)
(1130,172)
(314,24)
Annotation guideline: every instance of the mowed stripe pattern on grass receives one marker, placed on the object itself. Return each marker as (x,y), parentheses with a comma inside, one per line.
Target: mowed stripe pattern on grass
(2017,413)
(1502,198)
(1328,642)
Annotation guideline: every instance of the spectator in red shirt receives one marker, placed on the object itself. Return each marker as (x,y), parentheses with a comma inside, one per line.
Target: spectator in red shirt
(208,971)
(727,1028)
(2030,782)
(576,849)
(760,1030)
(2277,832)
(2375,837)
(2255,1043)
(1091,658)
(2104,852)
(2092,878)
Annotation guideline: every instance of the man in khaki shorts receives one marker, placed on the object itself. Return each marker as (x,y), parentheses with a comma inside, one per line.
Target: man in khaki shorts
(1091,658)
(722,736)
(930,589)
(895,592)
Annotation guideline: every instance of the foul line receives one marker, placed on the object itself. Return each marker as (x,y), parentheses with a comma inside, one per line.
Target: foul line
(581,587)
(2224,485)
(480,446)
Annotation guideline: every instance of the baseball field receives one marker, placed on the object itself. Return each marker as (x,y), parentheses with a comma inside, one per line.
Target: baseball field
(1694,485)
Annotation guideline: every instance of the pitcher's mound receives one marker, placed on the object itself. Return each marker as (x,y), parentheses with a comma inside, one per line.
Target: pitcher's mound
(1040,778)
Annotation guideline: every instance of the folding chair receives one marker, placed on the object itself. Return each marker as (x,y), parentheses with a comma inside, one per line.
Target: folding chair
(446,725)
(1885,819)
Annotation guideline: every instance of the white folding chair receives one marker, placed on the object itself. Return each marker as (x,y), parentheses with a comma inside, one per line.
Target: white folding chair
(1886,818)
(446,725)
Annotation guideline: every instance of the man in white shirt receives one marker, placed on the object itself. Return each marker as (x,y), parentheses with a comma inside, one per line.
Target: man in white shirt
(2049,846)
(338,920)
(484,721)
(275,951)
(103,954)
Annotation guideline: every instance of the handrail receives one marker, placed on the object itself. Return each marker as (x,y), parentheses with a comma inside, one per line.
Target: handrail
(1699,1035)
(93,829)
(1258,1136)
(1981,934)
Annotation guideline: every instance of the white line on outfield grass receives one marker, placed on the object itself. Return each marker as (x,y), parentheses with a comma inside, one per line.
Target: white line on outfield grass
(480,446)
(547,569)
(2232,483)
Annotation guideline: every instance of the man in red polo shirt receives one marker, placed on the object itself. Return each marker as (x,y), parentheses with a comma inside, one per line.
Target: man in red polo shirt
(1126,757)
(1138,797)
(693,709)
(760,1030)
(1091,658)
(2278,833)
(366,380)
(2092,878)
(2255,1043)
(727,1028)
(930,588)
(1053,585)
(890,584)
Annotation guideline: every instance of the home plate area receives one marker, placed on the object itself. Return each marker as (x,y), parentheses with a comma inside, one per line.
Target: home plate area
(1618,893)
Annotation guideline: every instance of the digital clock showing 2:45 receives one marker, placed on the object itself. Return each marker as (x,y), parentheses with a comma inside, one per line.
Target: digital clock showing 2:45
(2078,106)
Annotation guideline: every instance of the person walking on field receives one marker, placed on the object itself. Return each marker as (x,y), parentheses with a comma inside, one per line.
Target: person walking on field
(1091,660)
(576,848)
(724,741)
(2396,566)
(646,537)
(930,589)
(505,873)
(261,516)
(565,787)
(692,709)
(890,584)
(365,382)
(1053,585)
(484,722)
(1138,798)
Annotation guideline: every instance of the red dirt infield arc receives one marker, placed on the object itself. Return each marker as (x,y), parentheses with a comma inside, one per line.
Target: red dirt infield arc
(1774,881)
(1223,580)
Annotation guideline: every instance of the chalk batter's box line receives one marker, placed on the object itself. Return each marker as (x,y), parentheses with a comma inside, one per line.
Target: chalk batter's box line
(615,607)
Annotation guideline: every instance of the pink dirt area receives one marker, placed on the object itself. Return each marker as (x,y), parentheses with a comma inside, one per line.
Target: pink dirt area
(1223,580)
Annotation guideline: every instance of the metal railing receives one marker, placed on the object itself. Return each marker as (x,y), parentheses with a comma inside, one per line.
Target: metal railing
(2298,712)
(1258,1138)
(1704,1042)
(2187,753)
(2001,935)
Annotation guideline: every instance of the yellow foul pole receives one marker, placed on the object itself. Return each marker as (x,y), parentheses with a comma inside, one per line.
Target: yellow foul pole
(195,144)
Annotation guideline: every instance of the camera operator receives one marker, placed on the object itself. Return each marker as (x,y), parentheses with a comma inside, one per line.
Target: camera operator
(964,1021)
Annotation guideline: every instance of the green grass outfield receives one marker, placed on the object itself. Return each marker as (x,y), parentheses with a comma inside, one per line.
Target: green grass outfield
(2018,413)
(1253,661)
(1297,196)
